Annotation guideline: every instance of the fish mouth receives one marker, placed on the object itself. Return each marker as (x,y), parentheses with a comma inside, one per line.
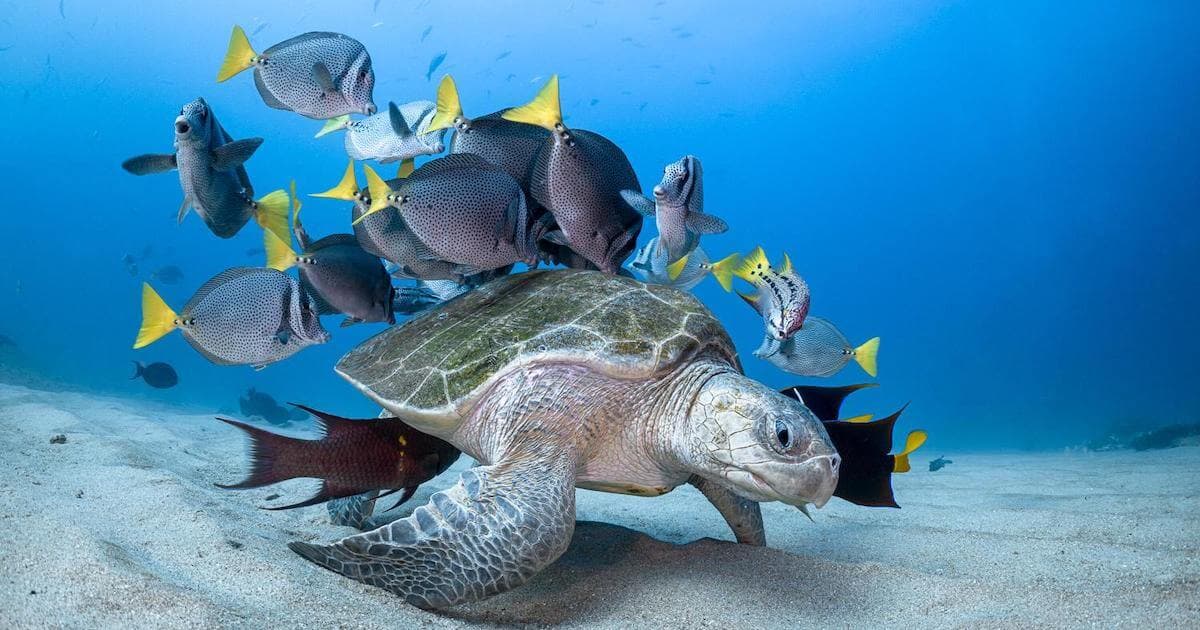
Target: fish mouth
(660,192)
(182,127)
(369,109)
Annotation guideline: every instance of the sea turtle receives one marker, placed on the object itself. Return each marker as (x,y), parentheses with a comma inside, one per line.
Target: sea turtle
(560,379)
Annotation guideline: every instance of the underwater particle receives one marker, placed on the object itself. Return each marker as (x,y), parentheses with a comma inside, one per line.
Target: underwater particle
(59,439)
(79,494)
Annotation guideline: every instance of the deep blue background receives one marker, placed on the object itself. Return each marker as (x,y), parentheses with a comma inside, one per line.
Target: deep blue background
(1007,193)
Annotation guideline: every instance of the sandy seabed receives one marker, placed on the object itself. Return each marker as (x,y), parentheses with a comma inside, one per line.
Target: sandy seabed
(121,526)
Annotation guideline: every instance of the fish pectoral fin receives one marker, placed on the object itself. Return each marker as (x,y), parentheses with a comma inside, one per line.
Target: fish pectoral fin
(350,321)
(283,336)
(557,237)
(320,74)
(399,126)
(232,155)
(638,202)
(467,270)
(150,163)
(183,208)
(701,223)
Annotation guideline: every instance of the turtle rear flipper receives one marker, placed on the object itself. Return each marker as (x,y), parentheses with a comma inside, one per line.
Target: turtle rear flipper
(352,511)
(492,531)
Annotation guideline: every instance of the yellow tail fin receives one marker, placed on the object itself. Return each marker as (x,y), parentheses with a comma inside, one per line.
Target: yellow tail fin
(867,354)
(448,105)
(676,268)
(379,193)
(240,55)
(334,124)
(280,255)
(295,205)
(406,168)
(544,110)
(345,189)
(753,266)
(157,318)
(863,419)
(722,270)
(272,213)
(913,442)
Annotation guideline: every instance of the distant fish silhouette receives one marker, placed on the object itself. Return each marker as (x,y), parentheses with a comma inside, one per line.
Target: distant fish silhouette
(157,375)
(260,28)
(425,33)
(503,55)
(939,463)
(433,65)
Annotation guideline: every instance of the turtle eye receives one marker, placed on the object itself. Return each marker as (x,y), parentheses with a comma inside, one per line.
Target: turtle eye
(784,434)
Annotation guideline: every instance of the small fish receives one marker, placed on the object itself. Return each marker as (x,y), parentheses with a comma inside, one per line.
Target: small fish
(678,208)
(256,404)
(398,134)
(433,65)
(503,55)
(425,33)
(781,296)
(578,177)
(375,6)
(131,266)
(169,274)
(212,174)
(818,349)
(939,463)
(465,210)
(351,457)
(336,270)
(157,375)
(650,264)
(242,316)
(319,75)
(7,342)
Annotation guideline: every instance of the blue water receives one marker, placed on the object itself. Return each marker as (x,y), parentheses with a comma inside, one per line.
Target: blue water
(1006,193)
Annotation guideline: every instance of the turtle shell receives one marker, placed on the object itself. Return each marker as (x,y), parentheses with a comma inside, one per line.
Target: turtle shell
(434,367)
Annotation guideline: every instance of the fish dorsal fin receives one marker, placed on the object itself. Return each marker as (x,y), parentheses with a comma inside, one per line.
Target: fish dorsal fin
(406,168)
(346,190)
(448,106)
(825,402)
(544,110)
(754,266)
(400,127)
(334,240)
(453,162)
(752,299)
(216,281)
(787,266)
(320,74)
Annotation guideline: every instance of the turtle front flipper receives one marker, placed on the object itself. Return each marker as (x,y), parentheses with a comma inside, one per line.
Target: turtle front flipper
(743,515)
(352,511)
(490,532)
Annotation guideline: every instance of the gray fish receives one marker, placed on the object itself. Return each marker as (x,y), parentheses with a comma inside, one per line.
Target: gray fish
(242,316)
(433,65)
(169,274)
(212,175)
(397,134)
(818,349)
(466,210)
(319,75)
(650,264)
(578,176)
(678,208)
(131,266)
(336,270)
(939,463)
(263,405)
(385,234)
(157,375)
(510,145)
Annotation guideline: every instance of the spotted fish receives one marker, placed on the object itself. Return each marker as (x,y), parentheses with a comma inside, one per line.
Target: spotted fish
(818,349)
(397,134)
(650,264)
(335,269)
(242,316)
(385,234)
(678,208)
(466,210)
(781,296)
(578,176)
(319,75)
(212,174)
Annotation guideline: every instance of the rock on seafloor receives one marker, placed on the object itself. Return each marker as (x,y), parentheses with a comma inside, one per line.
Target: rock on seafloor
(120,526)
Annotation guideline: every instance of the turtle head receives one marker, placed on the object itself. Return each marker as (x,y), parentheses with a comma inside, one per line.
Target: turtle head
(762,445)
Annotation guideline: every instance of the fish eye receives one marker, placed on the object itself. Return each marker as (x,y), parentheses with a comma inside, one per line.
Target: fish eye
(783,433)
